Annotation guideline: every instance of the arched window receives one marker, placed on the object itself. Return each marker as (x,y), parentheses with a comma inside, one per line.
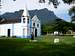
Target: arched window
(33,24)
(37,25)
(23,20)
(28,20)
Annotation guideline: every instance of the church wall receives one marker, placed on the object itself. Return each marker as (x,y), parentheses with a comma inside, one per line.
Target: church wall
(22,30)
(17,29)
(4,29)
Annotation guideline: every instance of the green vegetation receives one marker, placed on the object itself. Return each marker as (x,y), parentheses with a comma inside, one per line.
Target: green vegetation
(63,39)
(68,1)
(59,25)
(43,47)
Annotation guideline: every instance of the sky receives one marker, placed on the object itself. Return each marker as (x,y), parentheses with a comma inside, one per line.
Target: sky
(11,6)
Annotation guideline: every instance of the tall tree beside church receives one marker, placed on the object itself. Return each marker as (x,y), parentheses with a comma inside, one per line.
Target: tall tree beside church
(72,13)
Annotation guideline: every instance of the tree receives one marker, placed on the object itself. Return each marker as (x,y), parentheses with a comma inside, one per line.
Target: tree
(72,13)
(59,25)
(68,1)
(72,10)
(47,28)
(55,2)
(63,26)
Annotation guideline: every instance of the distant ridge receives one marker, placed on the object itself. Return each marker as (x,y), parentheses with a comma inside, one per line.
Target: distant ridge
(45,15)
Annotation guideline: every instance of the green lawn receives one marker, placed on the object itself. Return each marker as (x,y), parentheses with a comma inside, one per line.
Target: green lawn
(43,47)
(63,39)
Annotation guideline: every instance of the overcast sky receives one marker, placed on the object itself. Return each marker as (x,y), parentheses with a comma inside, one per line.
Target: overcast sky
(11,6)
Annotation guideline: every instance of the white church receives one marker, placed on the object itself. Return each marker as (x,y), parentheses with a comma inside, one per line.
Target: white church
(21,26)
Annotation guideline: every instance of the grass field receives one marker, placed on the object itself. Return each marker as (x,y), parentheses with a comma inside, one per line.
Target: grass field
(43,47)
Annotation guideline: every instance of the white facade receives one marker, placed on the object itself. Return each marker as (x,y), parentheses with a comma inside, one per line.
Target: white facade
(36,26)
(22,29)
(17,29)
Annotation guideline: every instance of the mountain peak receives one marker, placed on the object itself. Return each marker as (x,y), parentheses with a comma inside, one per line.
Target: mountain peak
(44,15)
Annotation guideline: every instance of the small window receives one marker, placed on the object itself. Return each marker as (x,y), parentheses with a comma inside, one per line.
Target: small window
(23,20)
(33,24)
(37,25)
(23,16)
(27,20)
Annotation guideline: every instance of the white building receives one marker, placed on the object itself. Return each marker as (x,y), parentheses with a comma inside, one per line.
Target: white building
(36,26)
(20,26)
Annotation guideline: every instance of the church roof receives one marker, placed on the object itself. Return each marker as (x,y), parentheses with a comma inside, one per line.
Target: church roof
(8,17)
(14,17)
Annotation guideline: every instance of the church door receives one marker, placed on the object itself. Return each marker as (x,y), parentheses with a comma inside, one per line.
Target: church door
(8,32)
(35,32)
